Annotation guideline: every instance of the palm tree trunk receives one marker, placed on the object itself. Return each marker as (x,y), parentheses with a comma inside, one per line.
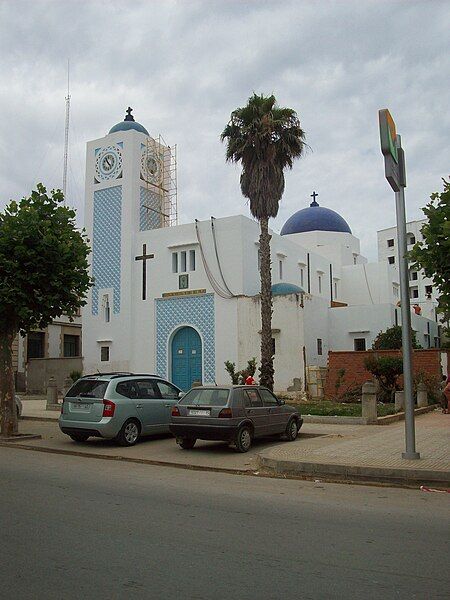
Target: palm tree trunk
(8,415)
(266,368)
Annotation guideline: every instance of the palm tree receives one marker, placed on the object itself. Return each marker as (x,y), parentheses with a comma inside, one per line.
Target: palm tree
(265,139)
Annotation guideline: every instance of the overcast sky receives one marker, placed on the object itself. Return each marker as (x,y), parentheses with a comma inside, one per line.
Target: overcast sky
(185,65)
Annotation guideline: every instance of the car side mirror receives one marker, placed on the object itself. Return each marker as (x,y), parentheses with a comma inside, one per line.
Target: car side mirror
(180,395)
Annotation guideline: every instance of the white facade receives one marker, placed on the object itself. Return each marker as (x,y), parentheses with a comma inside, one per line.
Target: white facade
(180,301)
(421,289)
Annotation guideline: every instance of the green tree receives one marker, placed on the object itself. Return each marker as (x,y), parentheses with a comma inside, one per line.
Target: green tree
(43,274)
(433,254)
(391,339)
(387,370)
(265,139)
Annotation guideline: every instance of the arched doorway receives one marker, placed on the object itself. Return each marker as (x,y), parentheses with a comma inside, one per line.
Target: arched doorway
(186,357)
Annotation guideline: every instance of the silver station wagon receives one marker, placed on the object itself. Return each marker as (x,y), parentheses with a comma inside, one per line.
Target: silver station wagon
(233,414)
(119,406)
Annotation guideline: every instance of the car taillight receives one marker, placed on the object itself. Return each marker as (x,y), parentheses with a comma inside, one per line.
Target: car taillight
(108,408)
(225,413)
(175,411)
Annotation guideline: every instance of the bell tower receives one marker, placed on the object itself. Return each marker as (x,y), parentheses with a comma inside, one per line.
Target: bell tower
(130,188)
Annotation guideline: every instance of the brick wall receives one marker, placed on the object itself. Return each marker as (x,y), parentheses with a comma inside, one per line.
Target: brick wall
(427,361)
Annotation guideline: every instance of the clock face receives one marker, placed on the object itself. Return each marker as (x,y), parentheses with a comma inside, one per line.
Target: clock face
(108,163)
(151,167)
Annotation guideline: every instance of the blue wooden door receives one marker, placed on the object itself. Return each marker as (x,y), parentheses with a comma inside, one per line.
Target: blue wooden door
(186,358)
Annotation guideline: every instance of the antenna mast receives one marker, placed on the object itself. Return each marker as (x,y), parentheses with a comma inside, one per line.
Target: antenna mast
(66,136)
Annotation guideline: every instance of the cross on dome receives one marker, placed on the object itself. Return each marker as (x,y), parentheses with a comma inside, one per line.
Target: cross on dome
(129,116)
(314,196)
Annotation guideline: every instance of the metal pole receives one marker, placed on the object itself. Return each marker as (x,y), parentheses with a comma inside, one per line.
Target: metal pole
(410,435)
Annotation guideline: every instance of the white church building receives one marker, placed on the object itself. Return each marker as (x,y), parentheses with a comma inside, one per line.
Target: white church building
(180,300)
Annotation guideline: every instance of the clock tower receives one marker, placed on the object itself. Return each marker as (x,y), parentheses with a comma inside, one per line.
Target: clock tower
(130,188)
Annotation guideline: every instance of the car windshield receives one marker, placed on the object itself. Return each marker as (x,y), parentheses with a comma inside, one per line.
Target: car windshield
(88,388)
(206,397)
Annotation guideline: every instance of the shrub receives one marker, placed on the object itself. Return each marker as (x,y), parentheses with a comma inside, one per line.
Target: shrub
(432,383)
(75,375)
(386,370)
(239,377)
(391,339)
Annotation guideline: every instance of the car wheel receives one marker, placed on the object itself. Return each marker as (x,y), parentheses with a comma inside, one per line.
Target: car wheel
(129,434)
(186,443)
(243,439)
(79,437)
(292,430)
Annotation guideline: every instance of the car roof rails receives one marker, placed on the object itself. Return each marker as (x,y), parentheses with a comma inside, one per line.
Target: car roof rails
(112,374)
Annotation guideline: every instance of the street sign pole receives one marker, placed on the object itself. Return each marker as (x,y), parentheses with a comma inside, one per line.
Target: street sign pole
(395,172)
(410,434)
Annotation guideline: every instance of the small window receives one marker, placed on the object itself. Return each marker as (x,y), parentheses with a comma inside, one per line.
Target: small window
(191,260)
(428,290)
(273,346)
(319,347)
(411,239)
(167,391)
(71,345)
(280,268)
(360,344)
(106,309)
(391,260)
(253,397)
(302,276)
(335,289)
(35,344)
(104,353)
(174,262)
(268,398)
(415,293)
(414,275)
(320,284)
(183,268)
(390,243)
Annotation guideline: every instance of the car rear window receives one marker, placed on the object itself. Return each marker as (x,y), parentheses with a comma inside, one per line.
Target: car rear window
(208,397)
(89,388)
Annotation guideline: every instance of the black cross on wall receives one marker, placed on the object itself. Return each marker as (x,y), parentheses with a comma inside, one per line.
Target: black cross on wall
(144,259)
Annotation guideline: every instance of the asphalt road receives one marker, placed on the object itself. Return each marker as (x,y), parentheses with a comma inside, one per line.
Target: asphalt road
(73,527)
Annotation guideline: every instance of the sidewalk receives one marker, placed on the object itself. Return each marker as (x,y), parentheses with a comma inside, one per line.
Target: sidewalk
(345,452)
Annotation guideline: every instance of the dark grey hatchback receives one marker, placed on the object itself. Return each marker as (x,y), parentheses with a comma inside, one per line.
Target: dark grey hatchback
(235,414)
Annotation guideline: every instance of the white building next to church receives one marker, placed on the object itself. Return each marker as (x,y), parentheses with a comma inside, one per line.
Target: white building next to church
(180,300)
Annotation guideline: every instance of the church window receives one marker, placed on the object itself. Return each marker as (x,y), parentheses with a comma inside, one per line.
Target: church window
(428,290)
(106,309)
(174,262)
(391,260)
(302,277)
(104,353)
(390,243)
(335,289)
(319,346)
(71,345)
(320,284)
(280,268)
(191,260)
(413,275)
(359,344)
(183,268)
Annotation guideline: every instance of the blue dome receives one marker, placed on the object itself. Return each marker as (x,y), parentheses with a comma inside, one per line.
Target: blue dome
(315,218)
(282,289)
(129,123)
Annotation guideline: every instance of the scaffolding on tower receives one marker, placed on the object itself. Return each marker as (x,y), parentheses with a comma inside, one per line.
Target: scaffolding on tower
(161,167)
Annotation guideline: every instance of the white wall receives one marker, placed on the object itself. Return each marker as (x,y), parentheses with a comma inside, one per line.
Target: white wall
(316,326)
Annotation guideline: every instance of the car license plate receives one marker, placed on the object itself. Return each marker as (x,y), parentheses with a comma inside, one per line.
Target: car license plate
(80,406)
(194,412)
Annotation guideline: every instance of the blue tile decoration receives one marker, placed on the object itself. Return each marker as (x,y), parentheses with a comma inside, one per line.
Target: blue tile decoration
(196,311)
(150,218)
(106,244)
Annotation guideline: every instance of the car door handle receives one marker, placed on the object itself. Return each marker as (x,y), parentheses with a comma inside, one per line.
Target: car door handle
(168,405)
(138,405)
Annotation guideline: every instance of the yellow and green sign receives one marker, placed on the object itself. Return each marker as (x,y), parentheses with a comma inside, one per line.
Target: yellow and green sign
(388,134)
